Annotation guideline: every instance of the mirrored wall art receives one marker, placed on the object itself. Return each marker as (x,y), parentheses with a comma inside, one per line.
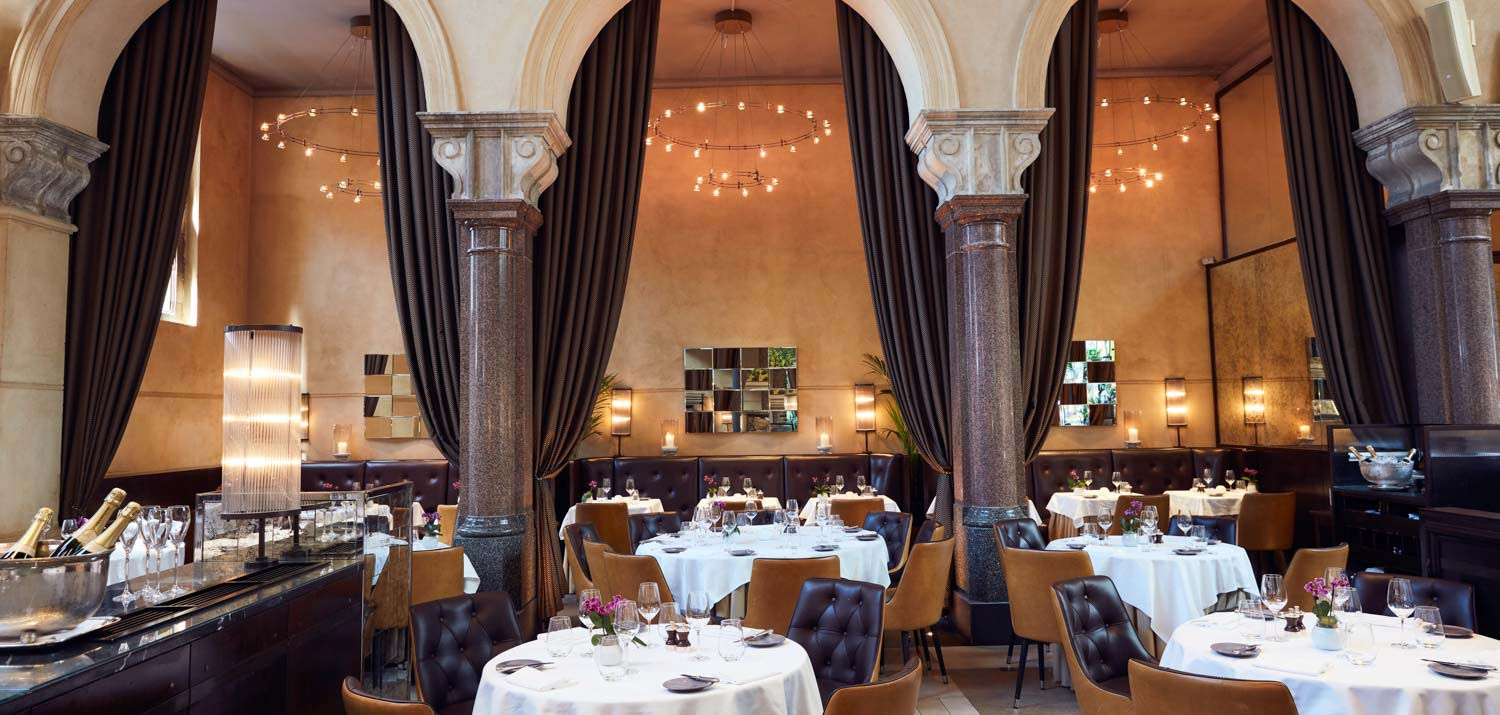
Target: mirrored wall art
(390,404)
(740,389)
(1088,391)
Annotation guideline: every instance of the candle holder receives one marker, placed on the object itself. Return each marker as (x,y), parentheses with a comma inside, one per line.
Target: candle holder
(669,434)
(824,431)
(1132,429)
(341,433)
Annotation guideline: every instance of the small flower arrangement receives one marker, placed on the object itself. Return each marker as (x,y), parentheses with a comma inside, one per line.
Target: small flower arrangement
(327,486)
(1130,520)
(821,487)
(589,494)
(710,486)
(1075,481)
(431,525)
(1250,475)
(1322,592)
(602,617)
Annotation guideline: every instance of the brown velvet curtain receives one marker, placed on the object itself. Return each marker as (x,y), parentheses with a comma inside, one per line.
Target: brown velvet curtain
(129,218)
(583,255)
(419,231)
(1049,246)
(1342,238)
(903,246)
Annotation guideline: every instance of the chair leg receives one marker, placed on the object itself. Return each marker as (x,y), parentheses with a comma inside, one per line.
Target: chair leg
(905,647)
(1021,673)
(937,646)
(1010,648)
(1041,665)
(922,642)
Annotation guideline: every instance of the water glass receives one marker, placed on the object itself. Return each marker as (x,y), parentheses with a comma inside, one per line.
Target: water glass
(1402,602)
(1199,533)
(559,636)
(731,640)
(1429,626)
(1359,643)
(609,657)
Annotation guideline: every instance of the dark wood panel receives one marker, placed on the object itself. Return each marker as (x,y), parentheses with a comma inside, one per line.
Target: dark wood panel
(1464,545)
(253,686)
(320,659)
(144,686)
(340,597)
(1300,470)
(225,649)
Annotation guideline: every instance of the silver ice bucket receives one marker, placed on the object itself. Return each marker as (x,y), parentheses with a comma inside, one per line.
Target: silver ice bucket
(1387,472)
(47,595)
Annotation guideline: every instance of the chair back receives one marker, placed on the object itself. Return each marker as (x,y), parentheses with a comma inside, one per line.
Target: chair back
(1308,564)
(853,511)
(928,532)
(357,701)
(896,694)
(1218,527)
(1162,502)
(894,527)
(918,603)
(1021,533)
(839,623)
(598,572)
(1266,521)
(1155,689)
(437,573)
(1454,599)
(390,596)
(574,537)
(611,519)
(775,585)
(646,526)
(627,573)
(453,638)
(447,522)
(1099,642)
(1029,575)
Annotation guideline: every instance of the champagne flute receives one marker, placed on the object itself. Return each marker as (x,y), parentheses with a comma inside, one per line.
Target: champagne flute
(127,543)
(1402,602)
(1273,597)
(698,609)
(178,519)
(150,522)
(648,600)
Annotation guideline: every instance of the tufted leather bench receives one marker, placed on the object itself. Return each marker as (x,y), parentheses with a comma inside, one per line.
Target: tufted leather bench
(673,480)
(1049,471)
(767,472)
(430,483)
(344,476)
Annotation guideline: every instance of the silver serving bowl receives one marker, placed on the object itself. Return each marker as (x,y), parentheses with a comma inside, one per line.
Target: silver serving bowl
(47,595)
(1387,472)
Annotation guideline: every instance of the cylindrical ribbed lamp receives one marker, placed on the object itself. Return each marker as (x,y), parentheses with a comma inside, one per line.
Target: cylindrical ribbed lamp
(261,456)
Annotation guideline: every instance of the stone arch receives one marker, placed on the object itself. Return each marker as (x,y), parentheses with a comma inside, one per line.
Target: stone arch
(909,28)
(66,49)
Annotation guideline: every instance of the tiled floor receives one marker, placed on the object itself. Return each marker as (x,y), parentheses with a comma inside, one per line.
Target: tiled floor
(980,682)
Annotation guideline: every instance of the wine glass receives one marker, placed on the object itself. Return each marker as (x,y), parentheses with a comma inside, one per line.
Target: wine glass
(1200,533)
(67,527)
(1273,597)
(150,521)
(838,484)
(127,543)
(1105,518)
(860,483)
(1148,521)
(793,510)
(648,601)
(178,518)
(752,508)
(698,609)
(1429,626)
(630,487)
(1229,479)
(731,640)
(559,641)
(1184,522)
(748,485)
(1400,599)
(724,487)
(1117,479)
(605,485)
(627,625)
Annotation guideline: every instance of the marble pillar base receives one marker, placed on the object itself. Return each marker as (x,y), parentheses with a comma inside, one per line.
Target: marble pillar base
(497,546)
(981,622)
(981,579)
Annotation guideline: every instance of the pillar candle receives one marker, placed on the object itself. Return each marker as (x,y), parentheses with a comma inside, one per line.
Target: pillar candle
(1304,431)
(823,440)
(671,440)
(342,448)
(1134,435)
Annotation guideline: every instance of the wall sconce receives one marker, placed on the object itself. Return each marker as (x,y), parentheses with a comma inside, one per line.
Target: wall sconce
(619,416)
(261,457)
(1177,411)
(306,414)
(1254,403)
(341,434)
(669,434)
(824,431)
(1132,429)
(864,411)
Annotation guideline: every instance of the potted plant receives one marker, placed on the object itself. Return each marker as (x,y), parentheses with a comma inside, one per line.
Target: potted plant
(1077,483)
(431,525)
(710,486)
(589,494)
(601,618)
(821,488)
(1251,478)
(1326,634)
(1130,523)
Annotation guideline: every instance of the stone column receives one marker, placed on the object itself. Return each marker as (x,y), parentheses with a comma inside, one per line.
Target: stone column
(42,167)
(974,159)
(1441,169)
(500,163)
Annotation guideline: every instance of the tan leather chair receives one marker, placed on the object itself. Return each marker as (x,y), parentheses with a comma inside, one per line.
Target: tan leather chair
(853,511)
(918,604)
(1265,523)
(595,554)
(1029,575)
(359,702)
(437,573)
(1155,689)
(627,573)
(611,519)
(447,522)
(1162,502)
(896,694)
(573,549)
(387,603)
(1308,564)
(775,585)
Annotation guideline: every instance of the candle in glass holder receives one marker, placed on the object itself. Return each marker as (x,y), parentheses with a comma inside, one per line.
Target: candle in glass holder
(1132,435)
(671,440)
(342,448)
(1304,431)
(823,440)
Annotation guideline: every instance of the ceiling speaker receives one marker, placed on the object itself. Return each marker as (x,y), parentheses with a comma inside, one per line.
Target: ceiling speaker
(1452,36)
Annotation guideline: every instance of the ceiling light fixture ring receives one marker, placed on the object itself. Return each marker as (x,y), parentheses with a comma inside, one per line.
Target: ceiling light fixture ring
(1203,116)
(280,130)
(815,129)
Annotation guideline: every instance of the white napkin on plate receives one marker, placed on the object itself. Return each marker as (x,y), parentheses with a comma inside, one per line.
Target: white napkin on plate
(538,679)
(1308,664)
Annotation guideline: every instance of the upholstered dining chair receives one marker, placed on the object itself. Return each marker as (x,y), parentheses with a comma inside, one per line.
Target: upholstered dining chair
(357,701)
(1099,641)
(776,584)
(738,505)
(1162,502)
(1029,574)
(894,527)
(853,511)
(447,522)
(931,531)
(1308,564)
(896,694)
(1155,689)
(1265,524)
(1218,527)
(917,605)
(839,622)
(574,537)
(646,526)
(627,573)
(611,519)
(452,639)
(594,552)
(1454,599)
(437,573)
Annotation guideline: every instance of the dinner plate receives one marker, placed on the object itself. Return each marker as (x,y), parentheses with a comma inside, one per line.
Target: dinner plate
(1091,496)
(1236,650)
(868,537)
(1457,632)
(765,640)
(1077,547)
(686,685)
(742,552)
(1455,672)
(826,547)
(852,529)
(674,549)
(1187,552)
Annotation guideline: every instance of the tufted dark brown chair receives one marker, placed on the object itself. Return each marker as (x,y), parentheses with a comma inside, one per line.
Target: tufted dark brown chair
(895,528)
(646,526)
(896,694)
(575,536)
(359,702)
(1219,527)
(838,622)
(1020,533)
(1099,642)
(452,639)
(1454,599)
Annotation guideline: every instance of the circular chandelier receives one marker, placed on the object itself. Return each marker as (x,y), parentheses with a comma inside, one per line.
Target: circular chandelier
(744,129)
(1162,121)
(296,128)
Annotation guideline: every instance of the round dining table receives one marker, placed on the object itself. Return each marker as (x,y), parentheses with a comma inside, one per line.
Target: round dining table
(809,509)
(1211,502)
(1398,682)
(706,564)
(765,680)
(634,506)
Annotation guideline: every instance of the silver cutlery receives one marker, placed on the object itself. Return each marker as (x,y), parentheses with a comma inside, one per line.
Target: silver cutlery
(1466,666)
(508,669)
(700,678)
(756,634)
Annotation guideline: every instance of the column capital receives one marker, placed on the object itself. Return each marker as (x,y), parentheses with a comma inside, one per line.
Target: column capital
(1424,150)
(43,165)
(497,155)
(976,151)
(966,209)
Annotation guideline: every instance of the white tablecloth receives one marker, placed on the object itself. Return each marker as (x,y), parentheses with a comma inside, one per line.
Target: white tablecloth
(1397,683)
(1206,503)
(766,680)
(636,506)
(1077,505)
(807,510)
(1169,588)
(710,568)
(1030,506)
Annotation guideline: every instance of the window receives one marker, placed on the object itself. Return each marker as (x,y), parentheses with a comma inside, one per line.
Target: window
(181,302)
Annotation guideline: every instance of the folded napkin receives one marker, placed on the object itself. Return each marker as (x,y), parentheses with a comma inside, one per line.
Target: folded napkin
(1308,664)
(746,677)
(537,679)
(1220,620)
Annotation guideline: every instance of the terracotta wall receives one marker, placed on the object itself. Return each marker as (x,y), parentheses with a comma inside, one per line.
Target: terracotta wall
(1257,202)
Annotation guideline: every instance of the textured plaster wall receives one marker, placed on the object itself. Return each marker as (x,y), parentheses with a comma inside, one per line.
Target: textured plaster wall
(1257,202)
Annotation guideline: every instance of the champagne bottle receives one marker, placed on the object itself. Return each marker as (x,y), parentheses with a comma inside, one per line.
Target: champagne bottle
(107,538)
(73,545)
(26,546)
